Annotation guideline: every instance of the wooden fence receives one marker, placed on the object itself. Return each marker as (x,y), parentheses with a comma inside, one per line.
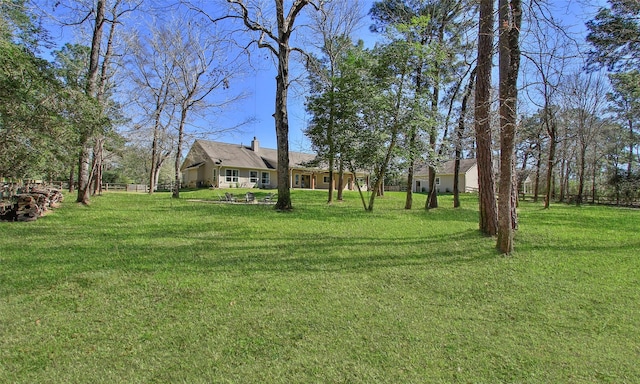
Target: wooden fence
(632,202)
(8,190)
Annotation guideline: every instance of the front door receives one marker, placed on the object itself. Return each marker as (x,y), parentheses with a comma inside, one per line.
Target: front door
(306,181)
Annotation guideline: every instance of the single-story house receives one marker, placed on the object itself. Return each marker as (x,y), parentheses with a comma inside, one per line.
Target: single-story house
(467,177)
(224,165)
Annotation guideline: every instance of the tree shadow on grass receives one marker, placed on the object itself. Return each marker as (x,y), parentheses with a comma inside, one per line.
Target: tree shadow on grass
(233,254)
(293,254)
(206,238)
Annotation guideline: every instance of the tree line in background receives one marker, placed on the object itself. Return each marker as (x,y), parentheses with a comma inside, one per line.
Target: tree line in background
(560,124)
(114,106)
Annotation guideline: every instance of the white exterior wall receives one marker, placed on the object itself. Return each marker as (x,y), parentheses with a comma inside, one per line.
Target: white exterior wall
(210,175)
(243,179)
(466,182)
(445,185)
(472,179)
(189,177)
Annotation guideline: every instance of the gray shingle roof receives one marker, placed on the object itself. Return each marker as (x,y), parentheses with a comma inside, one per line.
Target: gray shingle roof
(446,168)
(241,156)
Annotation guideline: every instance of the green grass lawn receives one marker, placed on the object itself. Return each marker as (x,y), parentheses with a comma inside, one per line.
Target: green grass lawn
(137,288)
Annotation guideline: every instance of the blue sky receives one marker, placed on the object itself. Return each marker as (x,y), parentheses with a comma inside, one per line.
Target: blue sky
(260,84)
(260,104)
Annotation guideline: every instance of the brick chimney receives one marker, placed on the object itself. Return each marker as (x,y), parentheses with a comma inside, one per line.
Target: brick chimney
(255,145)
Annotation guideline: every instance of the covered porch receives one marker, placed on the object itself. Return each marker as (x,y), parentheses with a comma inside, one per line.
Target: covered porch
(318,179)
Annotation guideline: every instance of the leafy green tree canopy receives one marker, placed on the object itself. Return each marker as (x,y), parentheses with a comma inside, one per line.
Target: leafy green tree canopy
(20,26)
(34,113)
(615,36)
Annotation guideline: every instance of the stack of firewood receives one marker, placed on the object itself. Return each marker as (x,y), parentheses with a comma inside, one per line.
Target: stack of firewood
(30,206)
(7,213)
(47,198)
(55,198)
(27,208)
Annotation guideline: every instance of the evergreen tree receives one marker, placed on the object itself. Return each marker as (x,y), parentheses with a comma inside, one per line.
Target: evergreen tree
(434,30)
(615,36)
(625,103)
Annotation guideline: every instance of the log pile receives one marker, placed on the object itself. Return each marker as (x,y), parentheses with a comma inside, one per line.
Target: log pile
(30,206)
(47,198)
(7,213)
(27,208)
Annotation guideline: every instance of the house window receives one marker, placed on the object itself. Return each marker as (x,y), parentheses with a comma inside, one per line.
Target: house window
(265,178)
(326,179)
(231,175)
(437,181)
(253,176)
(297,179)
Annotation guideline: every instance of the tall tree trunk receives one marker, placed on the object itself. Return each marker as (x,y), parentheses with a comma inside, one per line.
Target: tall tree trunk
(456,182)
(520,181)
(632,140)
(564,177)
(509,64)
(432,197)
(83,174)
(178,158)
(331,179)
(413,135)
(72,170)
(352,168)
(154,155)
(593,181)
(156,176)
(617,186)
(341,178)
(91,90)
(98,159)
(487,198)
(94,57)
(331,142)
(282,130)
(514,198)
(552,132)
(281,50)
(536,185)
(408,203)
(459,135)
(581,174)
(101,88)
(157,156)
